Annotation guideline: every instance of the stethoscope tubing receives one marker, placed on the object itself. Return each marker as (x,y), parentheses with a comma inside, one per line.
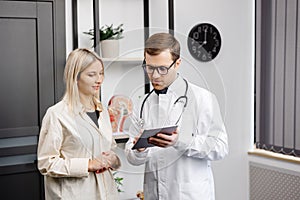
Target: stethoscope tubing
(177,100)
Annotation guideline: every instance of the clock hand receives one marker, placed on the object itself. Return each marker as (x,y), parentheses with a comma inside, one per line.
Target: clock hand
(201,45)
(205,32)
(198,44)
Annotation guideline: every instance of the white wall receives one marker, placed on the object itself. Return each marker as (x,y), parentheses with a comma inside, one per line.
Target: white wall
(230,76)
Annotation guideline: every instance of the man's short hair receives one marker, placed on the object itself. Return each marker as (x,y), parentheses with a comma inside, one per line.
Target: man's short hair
(160,42)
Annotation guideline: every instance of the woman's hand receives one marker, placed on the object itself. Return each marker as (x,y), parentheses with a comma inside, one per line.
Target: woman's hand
(112,159)
(98,165)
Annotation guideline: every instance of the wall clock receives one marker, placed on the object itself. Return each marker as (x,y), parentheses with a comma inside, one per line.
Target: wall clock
(204,42)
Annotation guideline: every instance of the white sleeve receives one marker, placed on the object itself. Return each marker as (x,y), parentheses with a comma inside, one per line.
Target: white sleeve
(50,161)
(133,156)
(210,140)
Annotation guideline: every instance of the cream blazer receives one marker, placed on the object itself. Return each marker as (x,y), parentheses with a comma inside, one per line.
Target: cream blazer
(66,143)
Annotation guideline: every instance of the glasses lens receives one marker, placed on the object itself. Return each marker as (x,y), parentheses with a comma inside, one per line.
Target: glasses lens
(149,69)
(162,70)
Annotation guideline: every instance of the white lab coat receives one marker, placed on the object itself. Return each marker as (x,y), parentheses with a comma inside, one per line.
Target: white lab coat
(67,141)
(183,171)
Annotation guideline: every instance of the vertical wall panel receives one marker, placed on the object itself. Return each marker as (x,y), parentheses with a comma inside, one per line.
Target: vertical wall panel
(17,83)
(271,67)
(257,91)
(45,49)
(290,58)
(297,90)
(279,70)
(267,69)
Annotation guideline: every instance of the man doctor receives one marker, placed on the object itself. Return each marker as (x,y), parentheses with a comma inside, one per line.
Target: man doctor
(178,166)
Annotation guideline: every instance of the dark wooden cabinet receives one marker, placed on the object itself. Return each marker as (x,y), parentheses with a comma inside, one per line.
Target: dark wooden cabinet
(32,54)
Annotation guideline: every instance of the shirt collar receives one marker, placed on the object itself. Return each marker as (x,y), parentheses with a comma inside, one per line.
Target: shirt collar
(163,91)
(178,86)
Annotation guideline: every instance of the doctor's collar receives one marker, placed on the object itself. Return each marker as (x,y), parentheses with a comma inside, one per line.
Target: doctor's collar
(178,86)
(163,91)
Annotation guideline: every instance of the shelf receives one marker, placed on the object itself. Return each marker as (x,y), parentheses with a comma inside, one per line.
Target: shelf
(120,137)
(123,59)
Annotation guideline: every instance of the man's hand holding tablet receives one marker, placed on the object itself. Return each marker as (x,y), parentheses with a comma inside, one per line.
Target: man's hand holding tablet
(162,137)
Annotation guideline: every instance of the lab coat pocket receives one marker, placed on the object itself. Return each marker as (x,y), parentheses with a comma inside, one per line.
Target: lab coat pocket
(199,190)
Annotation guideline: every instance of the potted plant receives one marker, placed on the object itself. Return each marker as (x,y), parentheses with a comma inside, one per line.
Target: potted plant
(109,39)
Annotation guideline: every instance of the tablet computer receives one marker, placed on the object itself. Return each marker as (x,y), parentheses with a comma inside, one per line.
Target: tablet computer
(142,142)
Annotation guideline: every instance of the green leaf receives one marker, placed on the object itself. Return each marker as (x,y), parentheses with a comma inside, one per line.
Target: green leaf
(118,181)
(108,32)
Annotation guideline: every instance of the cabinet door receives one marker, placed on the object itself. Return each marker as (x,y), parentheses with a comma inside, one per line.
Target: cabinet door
(27,88)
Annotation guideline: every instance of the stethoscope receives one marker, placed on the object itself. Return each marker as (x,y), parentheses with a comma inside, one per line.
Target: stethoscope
(184,97)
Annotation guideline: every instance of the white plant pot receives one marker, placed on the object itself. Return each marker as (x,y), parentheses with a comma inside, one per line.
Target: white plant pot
(109,48)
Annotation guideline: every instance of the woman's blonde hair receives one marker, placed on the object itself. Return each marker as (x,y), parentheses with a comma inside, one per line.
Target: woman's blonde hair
(77,61)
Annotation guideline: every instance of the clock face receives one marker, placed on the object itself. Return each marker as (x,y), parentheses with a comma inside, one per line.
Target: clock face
(204,42)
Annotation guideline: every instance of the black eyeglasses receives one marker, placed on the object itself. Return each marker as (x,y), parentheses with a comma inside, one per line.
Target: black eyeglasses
(162,70)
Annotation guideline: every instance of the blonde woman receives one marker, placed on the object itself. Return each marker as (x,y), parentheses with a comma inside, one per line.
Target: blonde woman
(75,144)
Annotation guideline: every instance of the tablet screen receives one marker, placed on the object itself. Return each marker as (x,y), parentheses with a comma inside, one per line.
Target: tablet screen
(142,142)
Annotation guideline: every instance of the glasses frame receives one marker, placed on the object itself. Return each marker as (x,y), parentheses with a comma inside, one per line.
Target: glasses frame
(156,68)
